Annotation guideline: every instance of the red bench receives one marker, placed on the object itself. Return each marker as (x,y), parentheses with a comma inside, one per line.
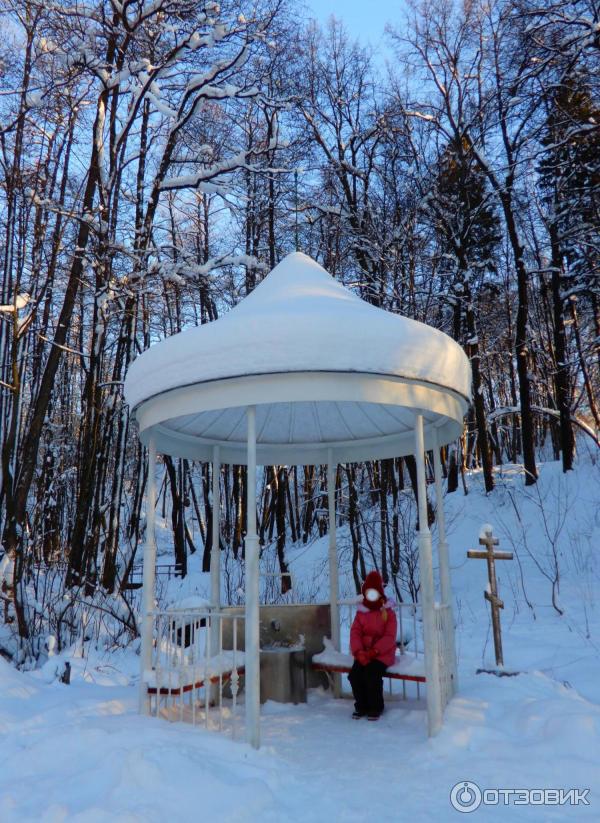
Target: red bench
(332,669)
(188,687)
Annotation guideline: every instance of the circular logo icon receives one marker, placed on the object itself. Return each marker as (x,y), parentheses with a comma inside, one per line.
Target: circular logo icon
(466,796)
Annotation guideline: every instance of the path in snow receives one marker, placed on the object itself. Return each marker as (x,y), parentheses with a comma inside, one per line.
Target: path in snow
(81,754)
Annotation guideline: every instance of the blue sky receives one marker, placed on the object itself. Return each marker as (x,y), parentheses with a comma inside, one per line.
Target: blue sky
(365,19)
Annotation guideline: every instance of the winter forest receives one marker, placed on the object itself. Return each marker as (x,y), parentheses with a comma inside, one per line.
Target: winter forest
(158,159)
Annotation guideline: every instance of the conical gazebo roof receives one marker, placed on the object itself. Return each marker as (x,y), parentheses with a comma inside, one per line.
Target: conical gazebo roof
(329,374)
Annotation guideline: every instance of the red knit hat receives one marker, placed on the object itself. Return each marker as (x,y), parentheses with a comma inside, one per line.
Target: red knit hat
(373,581)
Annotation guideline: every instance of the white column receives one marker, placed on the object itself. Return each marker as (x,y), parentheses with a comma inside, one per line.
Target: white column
(215,561)
(252,629)
(445,588)
(215,554)
(149,571)
(334,586)
(434,705)
(445,583)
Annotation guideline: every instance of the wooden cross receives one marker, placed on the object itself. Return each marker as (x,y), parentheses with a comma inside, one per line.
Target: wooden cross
(489,541)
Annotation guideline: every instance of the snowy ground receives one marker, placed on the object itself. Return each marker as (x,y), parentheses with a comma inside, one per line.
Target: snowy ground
(81,753)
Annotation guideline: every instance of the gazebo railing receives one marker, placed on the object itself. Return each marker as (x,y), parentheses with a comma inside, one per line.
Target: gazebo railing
(195,675)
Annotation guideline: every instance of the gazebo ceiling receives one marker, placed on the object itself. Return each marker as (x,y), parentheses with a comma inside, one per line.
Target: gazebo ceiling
(324,369)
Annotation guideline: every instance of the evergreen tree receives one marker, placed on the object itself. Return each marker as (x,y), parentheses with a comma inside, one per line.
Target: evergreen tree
(466,223)
(569,179)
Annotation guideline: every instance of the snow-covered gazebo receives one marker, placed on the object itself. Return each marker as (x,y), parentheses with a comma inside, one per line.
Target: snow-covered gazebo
(302,371)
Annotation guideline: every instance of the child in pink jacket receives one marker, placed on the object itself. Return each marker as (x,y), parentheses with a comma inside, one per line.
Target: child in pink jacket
(373,646)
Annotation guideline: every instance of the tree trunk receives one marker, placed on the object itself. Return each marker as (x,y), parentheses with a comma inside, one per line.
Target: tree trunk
(561,379)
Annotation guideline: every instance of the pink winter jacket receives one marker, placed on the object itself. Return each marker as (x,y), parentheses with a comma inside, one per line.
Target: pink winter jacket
(370,631)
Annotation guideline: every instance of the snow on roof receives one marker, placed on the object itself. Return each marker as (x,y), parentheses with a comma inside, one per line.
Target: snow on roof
(325,370)
(300,319)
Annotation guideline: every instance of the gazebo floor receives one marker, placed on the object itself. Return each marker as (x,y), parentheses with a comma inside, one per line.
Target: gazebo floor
(320,708)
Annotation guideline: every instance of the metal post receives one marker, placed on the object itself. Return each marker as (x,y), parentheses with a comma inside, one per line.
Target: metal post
(149,571)
(434,703)
(334,587)
(252,650)
(445,583)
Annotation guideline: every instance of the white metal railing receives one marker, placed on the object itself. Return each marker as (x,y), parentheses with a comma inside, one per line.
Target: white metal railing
(444,630)
(409,639)
(195,655)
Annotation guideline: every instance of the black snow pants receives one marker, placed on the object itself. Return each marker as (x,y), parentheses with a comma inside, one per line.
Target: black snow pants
(367,687)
